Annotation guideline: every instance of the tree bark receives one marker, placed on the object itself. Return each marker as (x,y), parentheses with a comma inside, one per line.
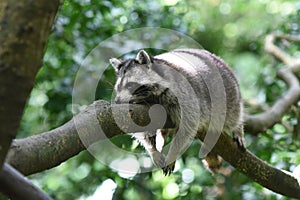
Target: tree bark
(47,150)
(98,122)
(24,28)
(16,186)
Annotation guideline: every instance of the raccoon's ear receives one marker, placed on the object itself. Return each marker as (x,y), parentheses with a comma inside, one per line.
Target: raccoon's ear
(115,63)
(143,57)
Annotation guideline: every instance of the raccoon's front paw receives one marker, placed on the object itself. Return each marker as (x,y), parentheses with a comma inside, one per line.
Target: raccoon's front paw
(240,141)
(158,159)
(169,169)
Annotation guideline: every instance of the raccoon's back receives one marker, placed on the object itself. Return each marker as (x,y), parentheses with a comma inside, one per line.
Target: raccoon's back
(208,73)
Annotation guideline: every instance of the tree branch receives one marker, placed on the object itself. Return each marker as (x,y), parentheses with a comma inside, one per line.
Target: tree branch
(47,150)
(98,118)
(272,49)
(16,186)
(293,38)
(261,122)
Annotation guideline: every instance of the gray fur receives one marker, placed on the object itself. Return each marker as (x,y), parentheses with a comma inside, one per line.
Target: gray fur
(172,79)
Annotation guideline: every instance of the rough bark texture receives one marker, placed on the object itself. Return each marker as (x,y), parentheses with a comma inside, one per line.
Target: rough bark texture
(39,152)
(24,28)
(256,169)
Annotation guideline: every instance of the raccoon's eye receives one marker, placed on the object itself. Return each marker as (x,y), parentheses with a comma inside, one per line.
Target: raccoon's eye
(142,90)
(132,86)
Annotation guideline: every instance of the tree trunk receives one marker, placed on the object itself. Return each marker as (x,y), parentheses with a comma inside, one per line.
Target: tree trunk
(24,28)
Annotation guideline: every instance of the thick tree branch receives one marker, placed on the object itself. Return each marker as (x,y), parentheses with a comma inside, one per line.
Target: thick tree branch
(247,163)
(62,140)
(47,150)
(16,186)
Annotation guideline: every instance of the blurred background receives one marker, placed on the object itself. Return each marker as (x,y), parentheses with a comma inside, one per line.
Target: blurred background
(234,30)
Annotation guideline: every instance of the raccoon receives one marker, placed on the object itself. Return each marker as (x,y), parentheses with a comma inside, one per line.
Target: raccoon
(196,88)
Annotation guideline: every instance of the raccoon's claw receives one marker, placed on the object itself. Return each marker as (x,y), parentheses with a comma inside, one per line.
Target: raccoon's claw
(160,161)
(169,169)
(240,143)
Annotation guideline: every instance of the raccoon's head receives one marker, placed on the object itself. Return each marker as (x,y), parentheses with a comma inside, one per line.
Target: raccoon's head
(137,82)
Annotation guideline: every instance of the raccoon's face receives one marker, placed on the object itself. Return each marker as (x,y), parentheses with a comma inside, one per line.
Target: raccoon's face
(136,81)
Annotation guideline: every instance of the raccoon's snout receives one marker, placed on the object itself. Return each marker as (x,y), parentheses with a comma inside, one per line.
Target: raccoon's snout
(118,100)
(144,94)
(122,96)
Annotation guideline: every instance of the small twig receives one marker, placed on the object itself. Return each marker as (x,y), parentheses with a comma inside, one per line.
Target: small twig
(295,68)
(254,105)
(272,49)
(287,126)
(293,38)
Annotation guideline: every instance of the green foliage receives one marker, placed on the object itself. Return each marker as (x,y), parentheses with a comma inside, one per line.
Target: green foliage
(234,30)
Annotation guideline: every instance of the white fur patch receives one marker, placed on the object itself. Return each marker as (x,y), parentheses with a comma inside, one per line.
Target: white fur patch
(183,60)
